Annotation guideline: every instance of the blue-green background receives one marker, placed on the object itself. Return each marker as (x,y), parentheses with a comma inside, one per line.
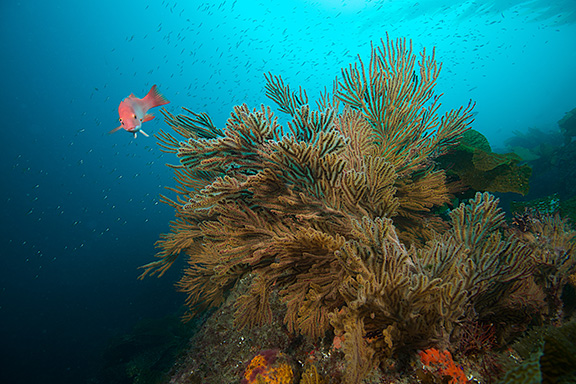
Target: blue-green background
(80,209)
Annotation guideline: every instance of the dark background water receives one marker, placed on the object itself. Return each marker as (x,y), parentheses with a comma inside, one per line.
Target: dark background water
(80,208)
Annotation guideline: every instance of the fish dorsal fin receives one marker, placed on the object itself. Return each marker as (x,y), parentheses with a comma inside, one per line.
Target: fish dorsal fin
(154,98)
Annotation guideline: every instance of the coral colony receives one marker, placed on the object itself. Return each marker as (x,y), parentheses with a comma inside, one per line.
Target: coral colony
(333,249)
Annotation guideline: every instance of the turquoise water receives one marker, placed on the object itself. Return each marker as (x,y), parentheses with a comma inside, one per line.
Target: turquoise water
(81,208)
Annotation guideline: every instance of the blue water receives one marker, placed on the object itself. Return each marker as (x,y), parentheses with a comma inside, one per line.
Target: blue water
(80,208)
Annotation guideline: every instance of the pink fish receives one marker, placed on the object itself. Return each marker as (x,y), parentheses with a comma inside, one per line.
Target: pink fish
(132,111)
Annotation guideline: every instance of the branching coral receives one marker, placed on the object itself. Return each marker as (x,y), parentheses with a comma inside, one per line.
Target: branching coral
(311,376)
(553,246)
(494,262)
(402,303)
(252,198)
(396,95)
(335,214)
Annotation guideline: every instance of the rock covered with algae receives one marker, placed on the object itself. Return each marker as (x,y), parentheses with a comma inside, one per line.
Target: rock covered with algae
(474,163)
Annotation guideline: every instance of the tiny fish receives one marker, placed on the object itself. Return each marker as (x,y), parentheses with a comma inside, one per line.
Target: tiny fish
(132,111)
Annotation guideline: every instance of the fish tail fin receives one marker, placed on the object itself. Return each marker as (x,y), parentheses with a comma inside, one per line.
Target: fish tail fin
(114,130)
(154,98)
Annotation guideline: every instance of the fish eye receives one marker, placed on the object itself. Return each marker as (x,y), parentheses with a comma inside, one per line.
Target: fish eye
(134,116)
(120,119)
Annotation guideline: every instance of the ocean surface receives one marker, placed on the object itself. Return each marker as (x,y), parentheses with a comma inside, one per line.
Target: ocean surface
(80,209)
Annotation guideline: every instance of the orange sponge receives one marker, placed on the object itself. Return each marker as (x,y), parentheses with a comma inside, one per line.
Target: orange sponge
(269,367)
(441,363)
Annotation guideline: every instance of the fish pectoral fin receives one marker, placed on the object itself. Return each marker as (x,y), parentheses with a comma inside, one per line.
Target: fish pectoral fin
(114,130)
(144,133)
(148,117)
